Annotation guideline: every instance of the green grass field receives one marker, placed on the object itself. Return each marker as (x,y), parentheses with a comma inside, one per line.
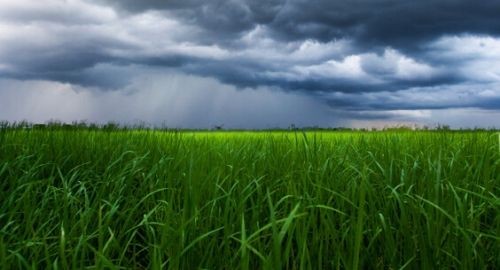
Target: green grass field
(75,199)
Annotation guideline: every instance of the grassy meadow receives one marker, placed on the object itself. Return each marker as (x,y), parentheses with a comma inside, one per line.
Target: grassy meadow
(144,199)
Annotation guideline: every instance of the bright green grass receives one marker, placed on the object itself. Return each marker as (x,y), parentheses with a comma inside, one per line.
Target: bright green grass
(249,200)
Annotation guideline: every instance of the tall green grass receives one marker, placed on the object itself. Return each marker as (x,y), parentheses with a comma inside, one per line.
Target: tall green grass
(248,200)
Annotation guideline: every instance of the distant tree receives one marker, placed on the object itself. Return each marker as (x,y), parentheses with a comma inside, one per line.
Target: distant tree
(111,126)
(4,124)
(443,127)
(219,127)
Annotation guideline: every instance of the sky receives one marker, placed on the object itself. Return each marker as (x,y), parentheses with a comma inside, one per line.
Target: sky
(251,64)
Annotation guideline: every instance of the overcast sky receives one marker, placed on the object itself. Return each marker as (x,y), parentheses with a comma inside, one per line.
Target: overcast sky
(250,63)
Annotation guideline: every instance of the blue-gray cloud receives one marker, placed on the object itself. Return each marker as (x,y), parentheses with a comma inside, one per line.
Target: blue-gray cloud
(383,22)
(362,55)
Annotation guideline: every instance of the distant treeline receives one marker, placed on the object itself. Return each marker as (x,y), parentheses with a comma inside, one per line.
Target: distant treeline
(115,126)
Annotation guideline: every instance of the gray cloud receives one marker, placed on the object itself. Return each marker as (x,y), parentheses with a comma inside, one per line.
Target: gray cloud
(383,22)
(469,95)
(365,58)
(163,98)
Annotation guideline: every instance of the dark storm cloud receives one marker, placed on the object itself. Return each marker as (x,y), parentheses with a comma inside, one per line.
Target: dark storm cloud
(245,75)
(394,23)
(352,55)
(221,17)
(467,95)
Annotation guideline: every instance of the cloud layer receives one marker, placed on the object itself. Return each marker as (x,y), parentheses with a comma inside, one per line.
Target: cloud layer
(358,59)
